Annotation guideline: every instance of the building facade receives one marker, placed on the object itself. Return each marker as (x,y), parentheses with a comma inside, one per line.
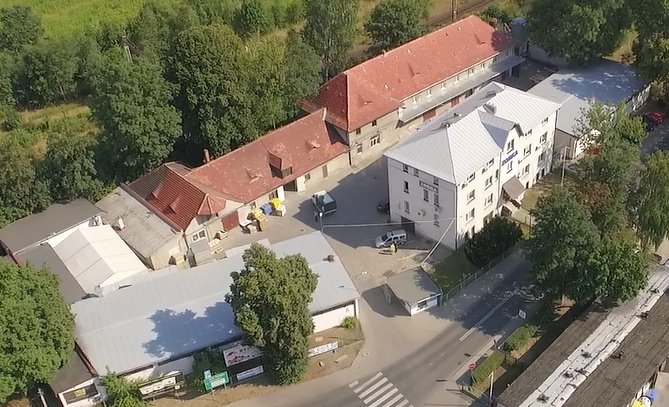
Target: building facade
(374,104)
(460,169)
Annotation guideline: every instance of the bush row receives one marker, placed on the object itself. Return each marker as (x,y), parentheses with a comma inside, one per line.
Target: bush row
(492,363)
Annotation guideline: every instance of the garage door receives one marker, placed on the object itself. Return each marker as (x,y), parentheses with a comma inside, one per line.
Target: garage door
(408,225)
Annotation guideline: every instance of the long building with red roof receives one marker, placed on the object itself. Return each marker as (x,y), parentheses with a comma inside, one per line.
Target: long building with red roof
(376,102)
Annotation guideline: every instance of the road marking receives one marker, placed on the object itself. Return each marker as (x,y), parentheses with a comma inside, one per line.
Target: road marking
(372,388)
(384,397)
(485,318)
(351,385)
(378,393)
(368,382)
(394,400)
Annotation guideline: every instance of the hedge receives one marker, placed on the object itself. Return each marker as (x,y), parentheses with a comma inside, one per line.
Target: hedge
(521,337)
(496,237)
(492,363)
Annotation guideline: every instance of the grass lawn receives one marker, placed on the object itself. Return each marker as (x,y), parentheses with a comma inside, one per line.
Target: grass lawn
(625,47)
(450,272)
(533,194)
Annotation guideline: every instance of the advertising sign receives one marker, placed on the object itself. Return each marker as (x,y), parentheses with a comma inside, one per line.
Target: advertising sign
(428,186)
(240,354)
(246,374)
(217,380)
(171,382)
(323,348)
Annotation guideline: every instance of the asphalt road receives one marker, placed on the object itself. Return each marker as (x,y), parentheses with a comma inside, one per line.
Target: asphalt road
(432,369)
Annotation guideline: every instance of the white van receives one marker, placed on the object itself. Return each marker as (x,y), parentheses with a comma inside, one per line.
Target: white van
(386,239)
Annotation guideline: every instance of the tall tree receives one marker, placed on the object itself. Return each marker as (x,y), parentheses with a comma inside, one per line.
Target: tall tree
(652,200)
(252,19)
(139,125)
(68,168)
(579,30)
(395,22)
(267,81)
(19,27)
(7,67)
(270,298)
(46,74)
(37,335)
(303,69)
(23,193)
(564,237)
(330,30)
(122,392)
(208,65)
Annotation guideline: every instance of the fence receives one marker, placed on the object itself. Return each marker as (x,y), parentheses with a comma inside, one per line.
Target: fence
(476,275)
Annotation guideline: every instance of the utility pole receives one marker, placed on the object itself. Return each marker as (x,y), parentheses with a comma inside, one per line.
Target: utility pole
(454,11)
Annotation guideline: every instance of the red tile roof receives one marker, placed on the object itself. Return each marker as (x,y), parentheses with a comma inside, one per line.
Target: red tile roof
(245,174)
(378,86)
(168,191)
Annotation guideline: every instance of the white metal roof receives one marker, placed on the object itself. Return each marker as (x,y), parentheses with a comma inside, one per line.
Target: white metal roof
(599,346)
(175,313)
(457,143)
(608,82)
(98,258)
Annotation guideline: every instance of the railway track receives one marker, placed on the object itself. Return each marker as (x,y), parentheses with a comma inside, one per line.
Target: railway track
(470,7)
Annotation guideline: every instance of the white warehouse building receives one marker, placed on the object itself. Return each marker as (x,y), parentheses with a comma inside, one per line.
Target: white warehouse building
(471,163)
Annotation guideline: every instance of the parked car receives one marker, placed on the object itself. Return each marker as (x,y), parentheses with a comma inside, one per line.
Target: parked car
(383,207)
(396,236)
(652,119)
(324,203)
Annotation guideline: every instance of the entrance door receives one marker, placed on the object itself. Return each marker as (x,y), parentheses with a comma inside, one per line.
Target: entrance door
(455,101)
(408,225)
(325,171)
(429,114)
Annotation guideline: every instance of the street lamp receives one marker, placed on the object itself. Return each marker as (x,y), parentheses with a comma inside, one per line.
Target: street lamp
(564,160)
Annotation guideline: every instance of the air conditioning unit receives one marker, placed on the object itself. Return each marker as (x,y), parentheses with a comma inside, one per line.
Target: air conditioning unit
(421,213)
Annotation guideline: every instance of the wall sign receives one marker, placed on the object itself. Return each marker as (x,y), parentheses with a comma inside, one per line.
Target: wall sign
(510,157)
(428,186)
(240,354)
(246,374)
(171,382)
(323,348)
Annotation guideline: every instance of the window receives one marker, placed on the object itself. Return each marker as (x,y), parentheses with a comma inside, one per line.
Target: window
(544,137)
(488,200)
(373,123)
(488,165)
(199,235)
(416,172)
(471,178)
(488,182)
(457,79)
(483,65)
(509,167)
(471,196)
(469,215)
(435,181)
(509,146)
(436,200)
(307,177)
(414,100)
(487,218)
(358,148)
(406,206)
(358,131)
(496,174)
(526,169)
(527,150)
(429,92)
(495,59)
(544,121)
(436,220)
(375,140)
(471,71)
(506,53)
(426,195)
(542,157)
(443,86)
(405,168)
(406,186)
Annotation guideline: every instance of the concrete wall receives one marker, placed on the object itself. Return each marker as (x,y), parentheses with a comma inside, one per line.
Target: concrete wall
(334,318)
(160,258)
(361,145)
(319,173)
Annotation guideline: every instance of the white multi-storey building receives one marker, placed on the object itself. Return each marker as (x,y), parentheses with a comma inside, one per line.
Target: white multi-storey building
(471,163)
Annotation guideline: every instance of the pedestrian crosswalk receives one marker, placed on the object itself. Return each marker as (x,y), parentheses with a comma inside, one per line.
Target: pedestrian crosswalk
(378,391)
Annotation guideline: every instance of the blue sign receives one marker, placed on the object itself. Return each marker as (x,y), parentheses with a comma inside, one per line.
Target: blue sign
(510,157)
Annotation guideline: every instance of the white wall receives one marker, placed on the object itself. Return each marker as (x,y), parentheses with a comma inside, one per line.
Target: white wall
(333,318)
(432,302)
(86,402)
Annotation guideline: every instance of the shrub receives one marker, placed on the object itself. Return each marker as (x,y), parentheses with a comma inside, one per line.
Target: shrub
(521,337)
(349,323)
(496,237)
(492,363)
(203,361)
(496,11)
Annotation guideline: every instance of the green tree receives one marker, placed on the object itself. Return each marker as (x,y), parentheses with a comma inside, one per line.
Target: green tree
(330,30)
(122,392)
(601,123)
(46,74)
(252,19)
(267,81)
(7,68)
(214,11)
(395,22)
(302,72)
(499,12)
(564,237)
(140,126)
(496,237)
(19,27)
(23,193)
(270,298)
(37,335)
(208,63)
(652,57)
(579,30)
(68,168)
(652,200)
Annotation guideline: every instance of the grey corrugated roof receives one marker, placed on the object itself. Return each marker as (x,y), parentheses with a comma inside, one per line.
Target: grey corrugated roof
(460,141)
(608,82)
(44,254)
(144,231)
(176,312)
(413,285)
(34,229)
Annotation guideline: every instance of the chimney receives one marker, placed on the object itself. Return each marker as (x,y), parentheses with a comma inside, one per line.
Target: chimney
(207,158)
